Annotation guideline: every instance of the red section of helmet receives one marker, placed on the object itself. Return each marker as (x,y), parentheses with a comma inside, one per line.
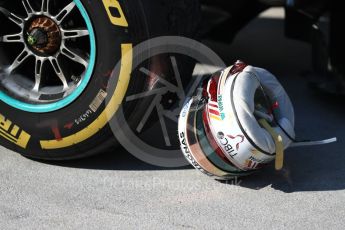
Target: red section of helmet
(213,88)
(241,137)
(238,67)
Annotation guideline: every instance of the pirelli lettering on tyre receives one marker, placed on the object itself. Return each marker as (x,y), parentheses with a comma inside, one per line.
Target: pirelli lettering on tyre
(115,13)
(13,133)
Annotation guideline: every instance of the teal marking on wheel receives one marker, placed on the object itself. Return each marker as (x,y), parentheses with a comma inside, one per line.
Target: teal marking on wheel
(54,106)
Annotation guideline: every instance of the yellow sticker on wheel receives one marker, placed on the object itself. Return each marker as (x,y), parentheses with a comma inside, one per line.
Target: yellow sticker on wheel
(109,111)
(115,13)
(13,133)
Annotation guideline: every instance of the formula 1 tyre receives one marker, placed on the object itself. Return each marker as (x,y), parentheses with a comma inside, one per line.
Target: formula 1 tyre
(56,60)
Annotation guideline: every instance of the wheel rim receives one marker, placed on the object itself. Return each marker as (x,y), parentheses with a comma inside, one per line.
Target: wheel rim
(57,55)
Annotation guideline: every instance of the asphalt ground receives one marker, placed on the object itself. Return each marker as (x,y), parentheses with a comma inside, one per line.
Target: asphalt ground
(117,191)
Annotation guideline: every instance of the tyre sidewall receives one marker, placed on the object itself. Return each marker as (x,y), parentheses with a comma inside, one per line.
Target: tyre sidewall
(77,116)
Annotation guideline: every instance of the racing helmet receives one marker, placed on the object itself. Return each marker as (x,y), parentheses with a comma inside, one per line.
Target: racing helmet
(238,120)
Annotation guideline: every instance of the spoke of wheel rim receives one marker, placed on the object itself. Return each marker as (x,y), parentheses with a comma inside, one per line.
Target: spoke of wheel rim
(57,68)
(160,111)
(65,12)
(38,73)
(68,34)
(12,38)
(169,85)
(19,60)
(149,111)
(180,87)
(14,18)
(28,8)
(73,56)
(45,6)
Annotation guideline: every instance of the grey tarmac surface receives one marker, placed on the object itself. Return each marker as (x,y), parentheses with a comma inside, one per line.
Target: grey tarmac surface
(117,191)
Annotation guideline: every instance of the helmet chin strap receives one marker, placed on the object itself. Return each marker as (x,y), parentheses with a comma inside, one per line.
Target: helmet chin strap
(295,143)
(265,121)
(268,119)
(278,140)
(313,143)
